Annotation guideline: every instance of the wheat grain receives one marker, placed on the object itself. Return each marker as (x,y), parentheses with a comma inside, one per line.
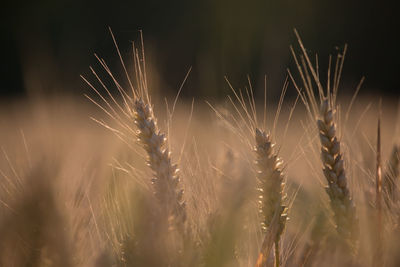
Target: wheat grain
(333,169)
(166,180)
(271,186)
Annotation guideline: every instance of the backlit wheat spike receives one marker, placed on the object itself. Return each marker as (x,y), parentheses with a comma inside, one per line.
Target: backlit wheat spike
(271,185)
(166,181)
(337,189)
(332,159)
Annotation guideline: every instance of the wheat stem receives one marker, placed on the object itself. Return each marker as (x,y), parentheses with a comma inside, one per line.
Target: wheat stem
(277,254)
(378,201)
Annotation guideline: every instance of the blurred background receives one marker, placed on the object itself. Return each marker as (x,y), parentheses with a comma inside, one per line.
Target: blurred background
(46,44)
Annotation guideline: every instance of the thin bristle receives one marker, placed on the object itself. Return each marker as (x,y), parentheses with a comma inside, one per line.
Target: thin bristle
(378,200)
(378,168)
(389,182)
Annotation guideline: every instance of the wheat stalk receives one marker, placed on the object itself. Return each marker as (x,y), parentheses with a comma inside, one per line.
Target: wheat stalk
(166,180)
(378,260)
(137,107)
(333,169)
(269,240)
(271,186)
(332,159)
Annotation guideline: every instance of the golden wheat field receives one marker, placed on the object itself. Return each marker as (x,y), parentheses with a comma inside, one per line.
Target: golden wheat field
(127,176)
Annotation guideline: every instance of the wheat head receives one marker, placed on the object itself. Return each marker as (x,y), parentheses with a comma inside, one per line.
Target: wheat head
(333,168)
(271,187)
(166,180)
(271,181)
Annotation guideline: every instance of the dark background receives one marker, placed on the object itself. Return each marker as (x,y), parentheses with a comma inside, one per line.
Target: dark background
(46,45)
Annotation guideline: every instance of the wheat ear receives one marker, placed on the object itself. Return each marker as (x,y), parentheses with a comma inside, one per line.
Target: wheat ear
(271,186)
(166,181)
(332,159)
(337,189)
